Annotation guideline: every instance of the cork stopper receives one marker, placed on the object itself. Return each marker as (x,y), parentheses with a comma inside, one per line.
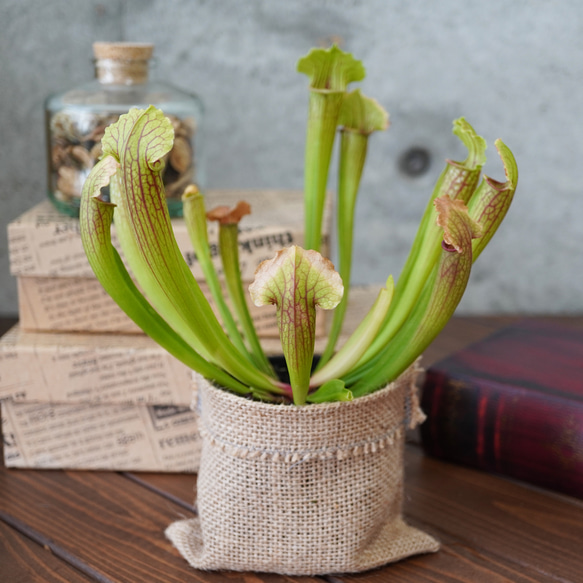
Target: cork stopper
(122,63)
(124,51)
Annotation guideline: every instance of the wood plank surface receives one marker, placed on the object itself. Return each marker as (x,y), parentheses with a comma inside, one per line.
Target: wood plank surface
(110,523)
(24,561)
(455,562)
(508,519)
(483,522)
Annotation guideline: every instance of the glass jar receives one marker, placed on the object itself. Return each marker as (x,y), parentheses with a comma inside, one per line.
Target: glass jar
(76,121)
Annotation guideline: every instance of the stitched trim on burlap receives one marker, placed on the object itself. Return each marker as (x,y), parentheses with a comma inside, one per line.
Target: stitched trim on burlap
(412,416)
(340,453)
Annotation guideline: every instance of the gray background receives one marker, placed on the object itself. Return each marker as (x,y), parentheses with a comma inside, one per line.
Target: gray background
(513,69)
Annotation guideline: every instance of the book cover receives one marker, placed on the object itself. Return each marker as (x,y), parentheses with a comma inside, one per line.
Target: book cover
(512,404)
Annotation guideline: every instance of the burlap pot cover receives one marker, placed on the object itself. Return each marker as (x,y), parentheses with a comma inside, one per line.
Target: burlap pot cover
(302,490)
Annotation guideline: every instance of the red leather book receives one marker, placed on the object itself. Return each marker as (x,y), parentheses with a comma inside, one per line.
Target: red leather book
(512,404)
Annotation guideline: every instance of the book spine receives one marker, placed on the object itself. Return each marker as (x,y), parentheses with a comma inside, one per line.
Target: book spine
(524,434)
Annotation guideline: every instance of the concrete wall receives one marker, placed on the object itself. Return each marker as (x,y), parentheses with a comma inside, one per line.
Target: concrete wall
(513,69)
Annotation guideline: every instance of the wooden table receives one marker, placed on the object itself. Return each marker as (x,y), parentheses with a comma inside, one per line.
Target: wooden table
(65,526)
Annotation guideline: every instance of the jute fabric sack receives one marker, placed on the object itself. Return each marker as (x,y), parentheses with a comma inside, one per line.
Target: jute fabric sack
(302,490)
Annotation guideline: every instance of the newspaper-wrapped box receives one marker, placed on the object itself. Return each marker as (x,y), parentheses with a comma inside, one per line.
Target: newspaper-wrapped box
(95,401)
(87,436)
(90,368)
(80,304)
(58,291)
(114,369)
(106,401)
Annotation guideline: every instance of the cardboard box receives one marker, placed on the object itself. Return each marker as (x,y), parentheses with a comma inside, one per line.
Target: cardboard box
(152,438)
(95,368)
(58,291)
(97,401)
(90,401)
(80,304)
(43,242)
(108,402)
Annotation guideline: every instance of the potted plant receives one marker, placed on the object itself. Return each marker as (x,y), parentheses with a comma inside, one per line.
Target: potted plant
(298,475)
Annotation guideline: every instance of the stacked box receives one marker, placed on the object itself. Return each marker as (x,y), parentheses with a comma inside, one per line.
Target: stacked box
(80,385)
(57,290)
(95,401)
